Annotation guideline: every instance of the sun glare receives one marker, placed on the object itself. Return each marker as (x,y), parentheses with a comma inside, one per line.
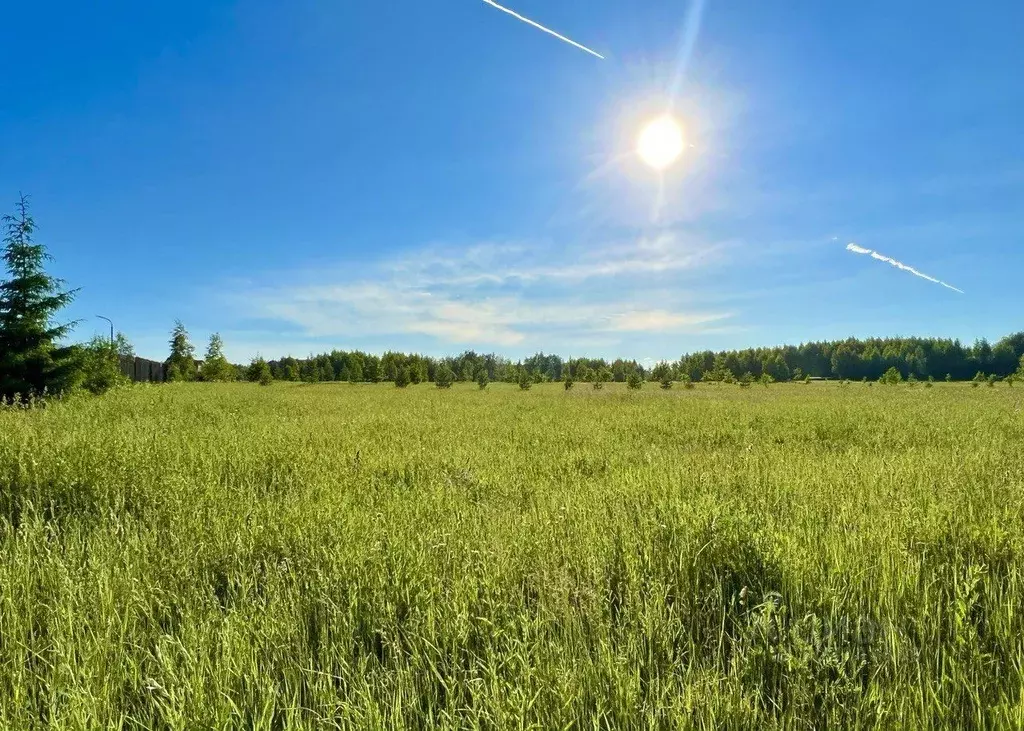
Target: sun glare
(660,143)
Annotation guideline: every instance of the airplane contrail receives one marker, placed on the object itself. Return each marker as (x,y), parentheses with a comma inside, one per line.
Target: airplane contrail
(538,26)
(899,265)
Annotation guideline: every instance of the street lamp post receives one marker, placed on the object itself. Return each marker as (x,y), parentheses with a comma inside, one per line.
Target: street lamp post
(111,327)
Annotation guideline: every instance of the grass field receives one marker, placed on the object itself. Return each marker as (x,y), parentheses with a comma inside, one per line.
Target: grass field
(230,556)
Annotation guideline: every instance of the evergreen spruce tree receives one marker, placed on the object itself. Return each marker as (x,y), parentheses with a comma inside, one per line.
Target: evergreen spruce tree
(31,362)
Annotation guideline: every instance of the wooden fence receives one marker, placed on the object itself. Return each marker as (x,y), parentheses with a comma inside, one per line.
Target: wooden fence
(140,369)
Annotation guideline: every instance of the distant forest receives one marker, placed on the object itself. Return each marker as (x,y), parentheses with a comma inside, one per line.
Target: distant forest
(852,359)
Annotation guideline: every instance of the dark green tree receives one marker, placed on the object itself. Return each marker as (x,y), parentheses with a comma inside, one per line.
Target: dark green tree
(402,377)
(31,361)
(482,379)
(634,381)
(181,365)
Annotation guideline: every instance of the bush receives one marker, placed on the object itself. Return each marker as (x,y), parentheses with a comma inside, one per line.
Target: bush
(666,383)
(100,366)
(598,385)
(767,380)
(402,378)
(568,383)
(525,382)
(482,379)
(992,380)
(634,381)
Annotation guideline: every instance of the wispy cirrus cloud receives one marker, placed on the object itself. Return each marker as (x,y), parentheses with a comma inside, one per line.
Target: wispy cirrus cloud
(512,296)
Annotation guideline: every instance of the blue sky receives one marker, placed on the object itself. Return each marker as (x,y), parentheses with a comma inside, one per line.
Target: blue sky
(436,176)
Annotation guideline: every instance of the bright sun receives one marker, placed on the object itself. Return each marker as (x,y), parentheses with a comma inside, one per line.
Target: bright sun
(660,143)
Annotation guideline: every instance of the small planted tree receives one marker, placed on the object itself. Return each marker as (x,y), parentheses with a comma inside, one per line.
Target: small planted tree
(949,378)
(891,377)
(569,383)
(259,372)
(992,380)
(482,379)
(746,379)
(688,384)
(666,383)
(445,376)
(525,382)
(181,365)
(634,381)
(216,366)
(911,380)
(402,377)
(930,383)
(766,379)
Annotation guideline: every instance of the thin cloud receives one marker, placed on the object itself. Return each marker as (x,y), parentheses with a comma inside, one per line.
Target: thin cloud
(497,296)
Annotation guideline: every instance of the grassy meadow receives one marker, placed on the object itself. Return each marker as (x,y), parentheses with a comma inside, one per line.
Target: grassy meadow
(364,557)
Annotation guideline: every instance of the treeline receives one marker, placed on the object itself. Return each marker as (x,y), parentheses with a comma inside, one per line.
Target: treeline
(852,359)
(855,359)
(357,366)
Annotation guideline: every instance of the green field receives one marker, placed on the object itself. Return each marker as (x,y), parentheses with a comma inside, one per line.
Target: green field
(336,556)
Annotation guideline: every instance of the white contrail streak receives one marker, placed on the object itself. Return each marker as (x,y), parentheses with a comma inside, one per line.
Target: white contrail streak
(538,26)
(899,265)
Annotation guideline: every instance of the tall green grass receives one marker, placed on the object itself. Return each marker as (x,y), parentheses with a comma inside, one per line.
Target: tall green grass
(362,557)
